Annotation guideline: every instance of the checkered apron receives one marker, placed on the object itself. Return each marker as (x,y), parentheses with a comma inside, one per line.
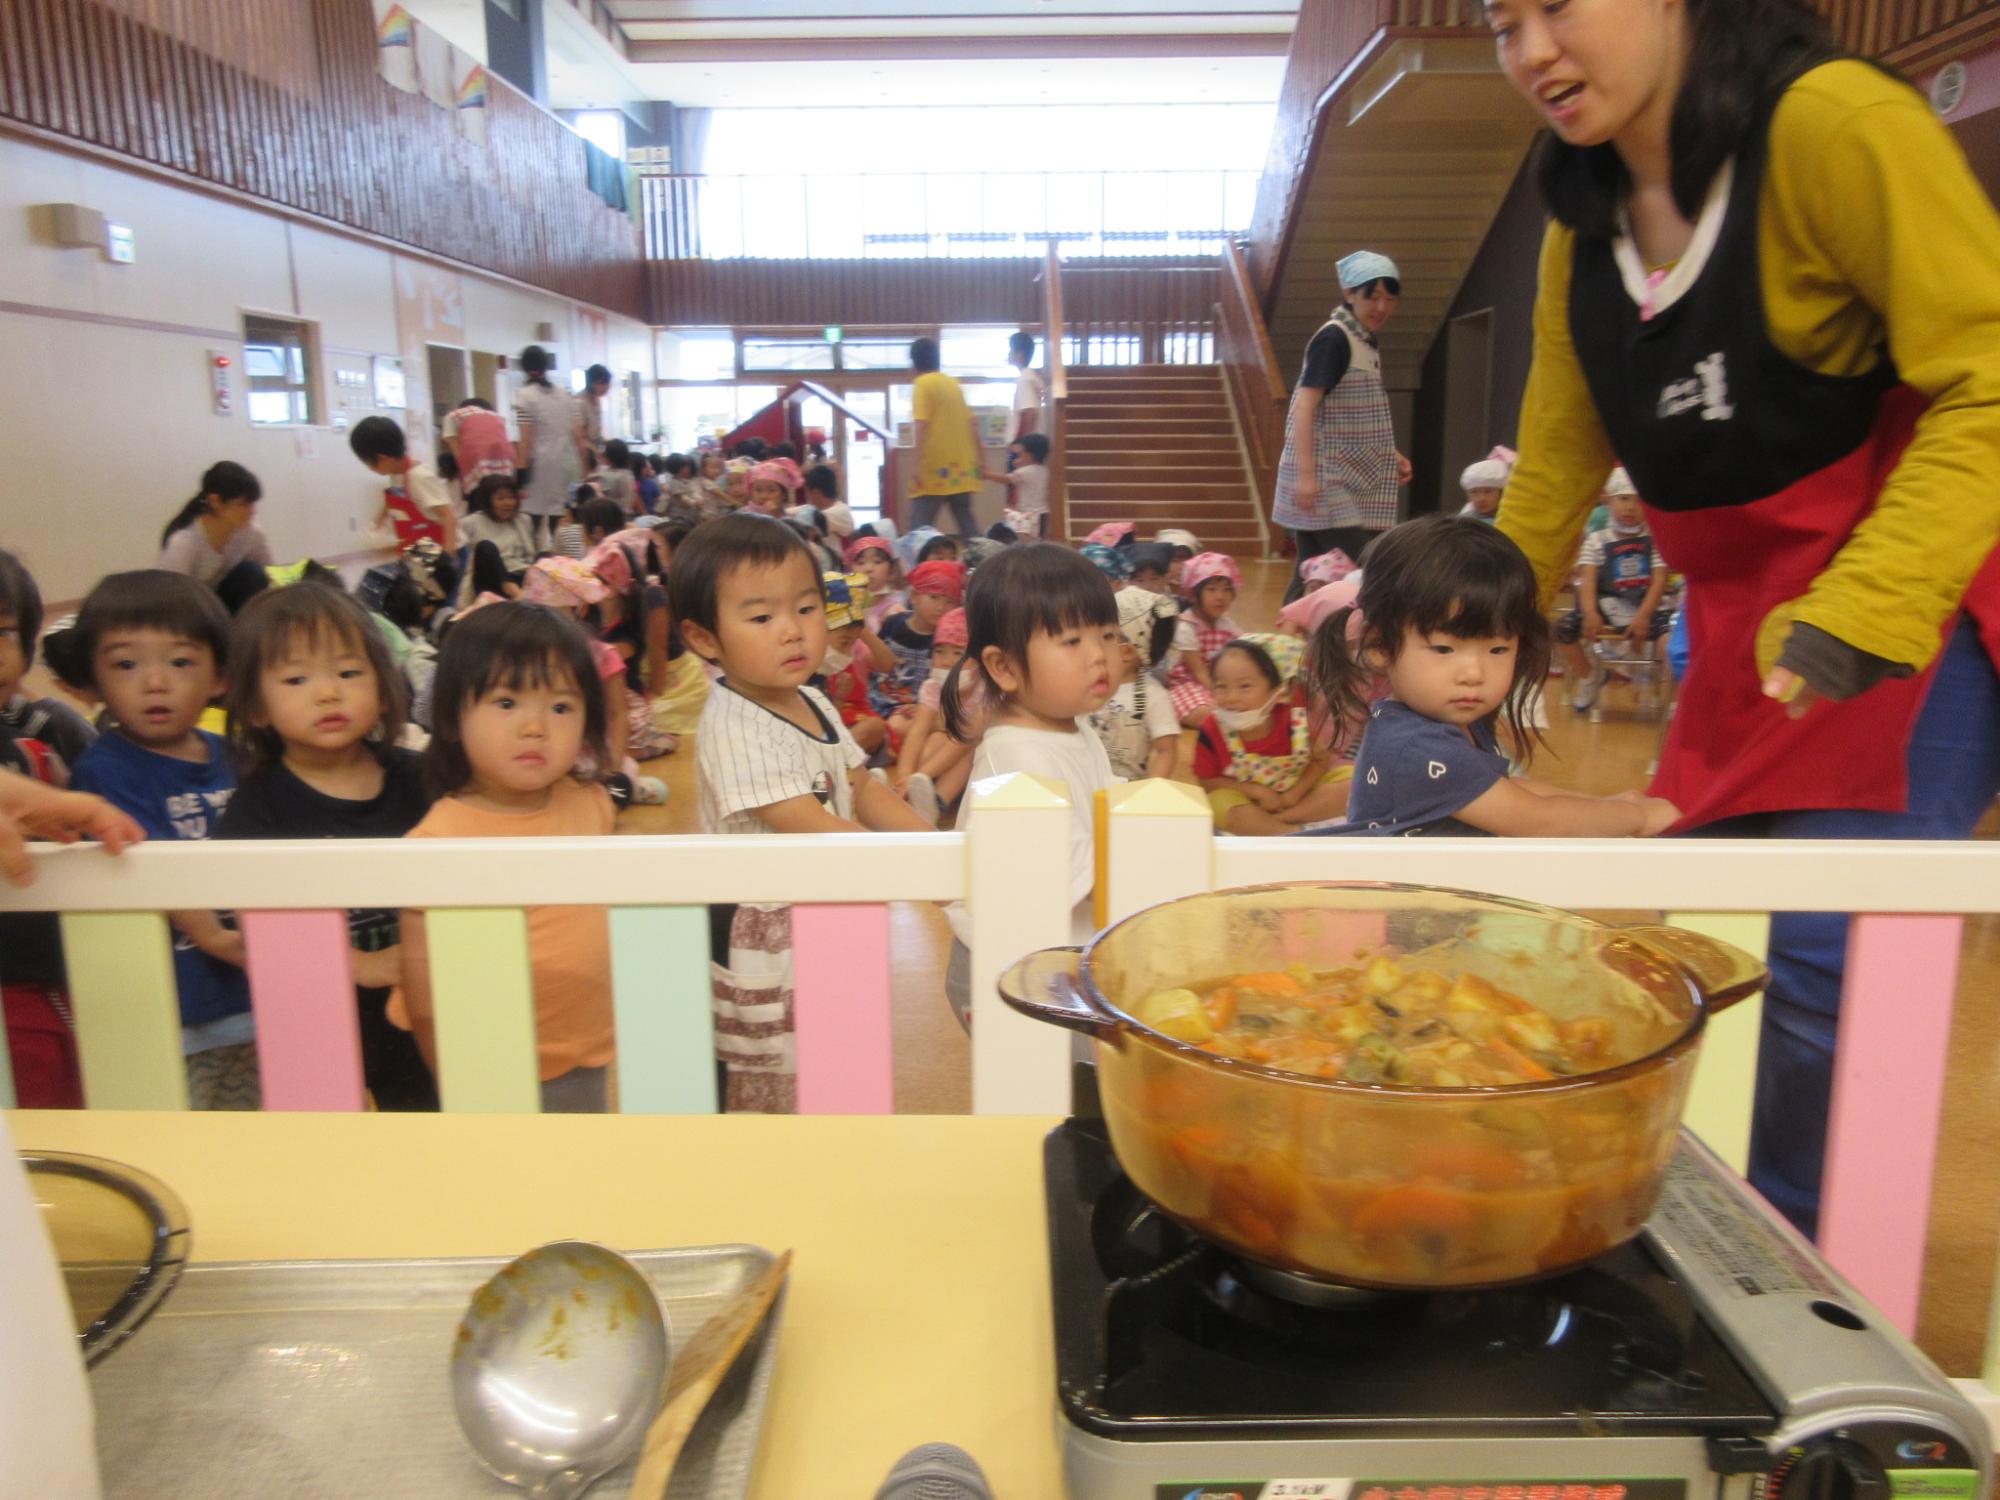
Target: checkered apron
(1354,447)
(1185,693)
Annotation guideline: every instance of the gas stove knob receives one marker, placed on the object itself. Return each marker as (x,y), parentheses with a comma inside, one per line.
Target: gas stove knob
(1834,1469)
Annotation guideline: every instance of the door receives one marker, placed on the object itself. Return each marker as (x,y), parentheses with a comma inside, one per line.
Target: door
(1468,401)
(450,381)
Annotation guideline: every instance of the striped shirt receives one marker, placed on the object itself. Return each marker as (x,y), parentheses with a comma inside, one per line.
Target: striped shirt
(747,757)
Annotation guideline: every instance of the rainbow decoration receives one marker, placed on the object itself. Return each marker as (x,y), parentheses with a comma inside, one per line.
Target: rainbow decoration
(396,29)
(396,45)
(472,102)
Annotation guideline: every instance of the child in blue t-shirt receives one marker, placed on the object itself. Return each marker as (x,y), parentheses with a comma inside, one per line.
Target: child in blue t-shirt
(154,646)
(1451,623)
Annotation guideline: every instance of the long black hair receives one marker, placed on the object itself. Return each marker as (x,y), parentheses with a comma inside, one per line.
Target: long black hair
(225,481)
(1738,52)
(513,646)
(1041,588)
(1450,574)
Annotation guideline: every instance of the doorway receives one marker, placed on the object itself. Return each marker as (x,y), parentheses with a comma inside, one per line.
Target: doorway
(450,381)
(1468,399)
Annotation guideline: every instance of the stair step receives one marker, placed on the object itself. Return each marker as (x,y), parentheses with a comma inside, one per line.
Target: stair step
(1154,476)
(1097,437)
(1123,507)
(1133,411)
(1142,372)
(1092,422)
(1139,396)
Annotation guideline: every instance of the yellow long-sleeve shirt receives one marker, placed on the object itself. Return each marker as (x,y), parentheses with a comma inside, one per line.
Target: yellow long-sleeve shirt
(1871,229)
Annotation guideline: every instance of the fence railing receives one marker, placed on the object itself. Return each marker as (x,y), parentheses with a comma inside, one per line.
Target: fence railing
(959,215)
(1257,388)
(1157,843)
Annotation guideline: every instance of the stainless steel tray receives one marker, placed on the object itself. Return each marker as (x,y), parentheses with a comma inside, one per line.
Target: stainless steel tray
(325,1380)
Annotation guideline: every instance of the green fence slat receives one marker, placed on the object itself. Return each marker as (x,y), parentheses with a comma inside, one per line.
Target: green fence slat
(483,1002)
(128,1012)
(666,1031)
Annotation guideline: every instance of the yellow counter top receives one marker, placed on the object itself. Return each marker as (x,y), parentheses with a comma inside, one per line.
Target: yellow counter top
(919,1301)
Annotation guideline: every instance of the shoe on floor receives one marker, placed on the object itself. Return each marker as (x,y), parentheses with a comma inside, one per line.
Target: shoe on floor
(648,791)
(1587,689)
(922,796)
(936,1471)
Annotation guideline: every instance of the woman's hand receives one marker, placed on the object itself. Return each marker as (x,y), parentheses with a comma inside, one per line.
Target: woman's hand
(1791,690)
(1403,470)
(30,810)
(1305,489)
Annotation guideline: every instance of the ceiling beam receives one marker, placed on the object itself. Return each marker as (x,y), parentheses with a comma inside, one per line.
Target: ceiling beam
(958,48)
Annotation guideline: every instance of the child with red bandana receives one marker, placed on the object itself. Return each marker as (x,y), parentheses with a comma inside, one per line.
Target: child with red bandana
(935,589)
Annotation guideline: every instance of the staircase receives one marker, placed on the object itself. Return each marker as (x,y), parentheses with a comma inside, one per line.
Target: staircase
(1156,445)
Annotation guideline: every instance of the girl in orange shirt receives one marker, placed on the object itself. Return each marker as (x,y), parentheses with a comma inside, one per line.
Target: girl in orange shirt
(517,703)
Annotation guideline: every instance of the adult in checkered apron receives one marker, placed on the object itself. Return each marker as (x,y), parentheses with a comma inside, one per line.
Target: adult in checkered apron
(1340,478)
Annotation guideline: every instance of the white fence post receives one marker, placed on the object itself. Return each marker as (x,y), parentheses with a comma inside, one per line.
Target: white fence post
(1017,896)
(1156,842)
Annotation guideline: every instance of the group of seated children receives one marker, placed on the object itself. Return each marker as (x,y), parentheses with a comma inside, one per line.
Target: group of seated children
(861,695)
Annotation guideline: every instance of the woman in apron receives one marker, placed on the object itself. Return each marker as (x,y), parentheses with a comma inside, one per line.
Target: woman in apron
(551,447)
(1772,290)
(1340,477)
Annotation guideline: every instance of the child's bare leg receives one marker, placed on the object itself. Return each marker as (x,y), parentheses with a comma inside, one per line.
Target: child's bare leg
(1575,662)
(1322,802)
(951,783)
(941,754)
(1252,820)
(869,734)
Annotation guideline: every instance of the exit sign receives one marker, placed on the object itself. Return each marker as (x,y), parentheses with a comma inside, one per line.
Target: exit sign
(834,333)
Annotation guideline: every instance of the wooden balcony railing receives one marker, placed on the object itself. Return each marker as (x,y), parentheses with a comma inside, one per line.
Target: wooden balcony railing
(284,104)
(1055,391)
(1257,387)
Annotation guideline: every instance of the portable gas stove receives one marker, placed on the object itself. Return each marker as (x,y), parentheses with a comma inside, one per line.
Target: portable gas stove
(1716,1357)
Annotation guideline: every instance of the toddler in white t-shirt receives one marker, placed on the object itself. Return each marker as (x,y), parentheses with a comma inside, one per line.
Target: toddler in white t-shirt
(771,756)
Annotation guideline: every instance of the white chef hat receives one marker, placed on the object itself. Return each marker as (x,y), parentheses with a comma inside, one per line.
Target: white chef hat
(1620,483)
(1487,474)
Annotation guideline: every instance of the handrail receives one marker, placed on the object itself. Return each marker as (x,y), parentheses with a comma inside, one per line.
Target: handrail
(1256,386)
(1056,391)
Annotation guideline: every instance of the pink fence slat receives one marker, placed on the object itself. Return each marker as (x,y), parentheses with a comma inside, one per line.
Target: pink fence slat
(1888,1087)
(840,968)
(308,1038)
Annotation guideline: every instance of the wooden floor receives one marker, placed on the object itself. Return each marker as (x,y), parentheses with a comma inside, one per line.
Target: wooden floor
(933,1062)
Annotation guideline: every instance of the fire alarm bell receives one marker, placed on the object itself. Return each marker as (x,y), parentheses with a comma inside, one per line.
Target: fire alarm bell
(218,378)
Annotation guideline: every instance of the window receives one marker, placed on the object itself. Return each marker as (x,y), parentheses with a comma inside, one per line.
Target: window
(603,128)
(279,356)
(875,354)
(787,354)
(976,351)
(697,354)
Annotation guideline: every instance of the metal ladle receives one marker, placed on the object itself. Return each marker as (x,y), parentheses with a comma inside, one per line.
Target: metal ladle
(558,1366)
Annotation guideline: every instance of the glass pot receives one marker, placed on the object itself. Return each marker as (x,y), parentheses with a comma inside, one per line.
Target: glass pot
(1370,1185)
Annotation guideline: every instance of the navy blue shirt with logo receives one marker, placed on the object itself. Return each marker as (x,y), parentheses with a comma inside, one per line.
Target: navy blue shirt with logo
(174,799)
(1413,774)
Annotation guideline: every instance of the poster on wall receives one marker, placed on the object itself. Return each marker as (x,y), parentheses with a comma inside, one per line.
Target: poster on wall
(396,45)
(472,102)
(391,390)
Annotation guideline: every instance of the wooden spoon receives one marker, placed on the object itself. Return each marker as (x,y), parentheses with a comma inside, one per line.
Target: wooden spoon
(696,1372)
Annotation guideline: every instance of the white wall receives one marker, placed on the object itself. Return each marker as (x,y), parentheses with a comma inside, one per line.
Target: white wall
(109,423)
